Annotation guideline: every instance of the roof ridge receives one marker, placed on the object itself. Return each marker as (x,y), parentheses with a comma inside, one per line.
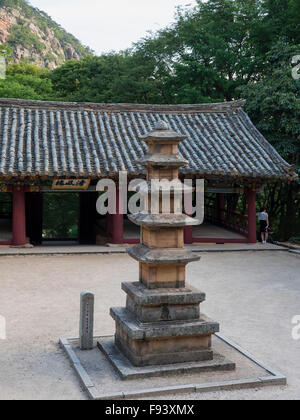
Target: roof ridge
(122,107)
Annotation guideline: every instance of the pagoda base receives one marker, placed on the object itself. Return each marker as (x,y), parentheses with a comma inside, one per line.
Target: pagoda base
(160,343)
(155,305)
(127,370)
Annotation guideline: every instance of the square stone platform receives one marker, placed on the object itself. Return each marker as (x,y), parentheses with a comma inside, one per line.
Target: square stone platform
(127,371)
(164,342)
(102,382)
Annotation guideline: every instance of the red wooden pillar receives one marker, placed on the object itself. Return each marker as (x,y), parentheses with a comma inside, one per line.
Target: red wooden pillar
(117,223)
(188,235)
(19,217)
(252,217)
(108,225)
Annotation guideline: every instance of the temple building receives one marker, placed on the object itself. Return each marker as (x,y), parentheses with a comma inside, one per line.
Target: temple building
(57,147)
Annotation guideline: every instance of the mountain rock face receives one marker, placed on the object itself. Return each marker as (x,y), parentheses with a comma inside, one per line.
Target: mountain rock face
(34,36)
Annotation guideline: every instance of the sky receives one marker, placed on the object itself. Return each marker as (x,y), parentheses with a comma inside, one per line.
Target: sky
(106,25)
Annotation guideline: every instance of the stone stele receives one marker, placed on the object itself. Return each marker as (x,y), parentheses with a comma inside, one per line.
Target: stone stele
(86,327)
(162,323)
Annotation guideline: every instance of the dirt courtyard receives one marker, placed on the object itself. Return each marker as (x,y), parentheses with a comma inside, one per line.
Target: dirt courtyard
(254,295)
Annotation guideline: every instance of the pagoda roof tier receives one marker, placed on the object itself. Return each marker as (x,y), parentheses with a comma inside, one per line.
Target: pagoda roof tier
(160,160)
(161,134)
(163,329)
(159,256)
(163,220)
(164,185)
(143,296)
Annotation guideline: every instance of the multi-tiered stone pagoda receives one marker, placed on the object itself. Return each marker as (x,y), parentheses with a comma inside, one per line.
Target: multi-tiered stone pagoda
(162,324)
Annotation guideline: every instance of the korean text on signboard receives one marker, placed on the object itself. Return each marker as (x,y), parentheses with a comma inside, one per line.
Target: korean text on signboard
(71,184)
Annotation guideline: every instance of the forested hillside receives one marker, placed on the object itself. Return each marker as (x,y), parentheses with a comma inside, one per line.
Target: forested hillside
(32,35)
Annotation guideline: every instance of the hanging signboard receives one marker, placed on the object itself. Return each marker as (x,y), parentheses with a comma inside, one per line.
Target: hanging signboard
(71,184)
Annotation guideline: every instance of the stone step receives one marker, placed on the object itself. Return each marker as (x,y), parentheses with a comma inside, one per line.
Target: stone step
(128,371)
(139,331)
(163,312)
(161,160)
(156,305)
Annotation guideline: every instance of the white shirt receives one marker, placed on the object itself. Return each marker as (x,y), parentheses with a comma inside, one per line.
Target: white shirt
(262,216)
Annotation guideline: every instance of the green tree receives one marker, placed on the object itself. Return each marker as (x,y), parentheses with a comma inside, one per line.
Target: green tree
(274,102)
(210,50)
(281,19)
(6,51)
(213,49)
(274,105)
(26,81)
(110,78)
(61,212)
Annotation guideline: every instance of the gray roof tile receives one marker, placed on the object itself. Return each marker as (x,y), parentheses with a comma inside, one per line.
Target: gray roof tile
(55,138)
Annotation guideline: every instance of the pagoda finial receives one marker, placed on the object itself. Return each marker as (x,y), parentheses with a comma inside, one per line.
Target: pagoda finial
(161,125)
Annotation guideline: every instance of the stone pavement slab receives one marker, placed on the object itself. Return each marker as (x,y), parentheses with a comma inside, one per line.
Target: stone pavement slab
(121,249)
(102,381)
(127,371)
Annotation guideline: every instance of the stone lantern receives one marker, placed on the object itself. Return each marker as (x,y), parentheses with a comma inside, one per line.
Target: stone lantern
(162,324)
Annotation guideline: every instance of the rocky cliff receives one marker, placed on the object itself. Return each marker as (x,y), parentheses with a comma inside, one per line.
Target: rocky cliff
(34,36)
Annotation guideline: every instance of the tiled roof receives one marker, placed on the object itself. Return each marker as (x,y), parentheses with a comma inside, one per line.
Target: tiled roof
(82,139)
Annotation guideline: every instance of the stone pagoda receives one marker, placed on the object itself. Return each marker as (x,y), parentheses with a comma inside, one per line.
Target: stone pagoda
(161,324)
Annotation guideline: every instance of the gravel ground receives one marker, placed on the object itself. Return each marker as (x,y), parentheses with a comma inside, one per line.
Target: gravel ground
(254,296)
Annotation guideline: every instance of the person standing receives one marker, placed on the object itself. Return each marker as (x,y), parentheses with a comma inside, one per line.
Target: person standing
(263,218)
